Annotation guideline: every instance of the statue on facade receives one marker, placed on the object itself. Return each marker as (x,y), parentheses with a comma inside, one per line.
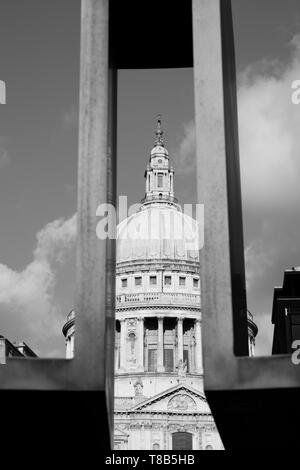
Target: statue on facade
(182,402)
(182,368)
(138,388)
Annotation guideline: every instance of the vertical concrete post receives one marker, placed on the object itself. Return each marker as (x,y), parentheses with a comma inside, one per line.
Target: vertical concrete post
(95,303)
(222,259)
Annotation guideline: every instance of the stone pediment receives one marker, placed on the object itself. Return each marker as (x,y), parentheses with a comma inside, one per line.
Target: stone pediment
(180,399)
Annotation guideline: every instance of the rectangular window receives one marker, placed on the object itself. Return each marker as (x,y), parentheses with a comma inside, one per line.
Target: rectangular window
(124,282)
(138,281)
(168,280)
(160,180)
(182,281)
(195,282)
(169,360)
(152,360)
(292,321)
(186,359)
(153,280)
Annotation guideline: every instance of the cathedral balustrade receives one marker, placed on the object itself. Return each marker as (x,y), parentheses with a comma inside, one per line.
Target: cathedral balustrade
(169,298)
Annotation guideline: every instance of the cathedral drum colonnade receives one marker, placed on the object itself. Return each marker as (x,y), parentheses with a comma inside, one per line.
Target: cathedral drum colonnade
(159,399)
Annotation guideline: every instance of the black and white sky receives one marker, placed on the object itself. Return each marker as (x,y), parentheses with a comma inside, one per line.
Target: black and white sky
(39,61)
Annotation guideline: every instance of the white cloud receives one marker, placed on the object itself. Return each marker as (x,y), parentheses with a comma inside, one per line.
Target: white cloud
(295,42)
(55,239)
(27,298)
(184,155)
(269,138)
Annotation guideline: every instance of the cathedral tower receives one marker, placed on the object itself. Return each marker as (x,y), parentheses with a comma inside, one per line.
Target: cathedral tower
(159,176)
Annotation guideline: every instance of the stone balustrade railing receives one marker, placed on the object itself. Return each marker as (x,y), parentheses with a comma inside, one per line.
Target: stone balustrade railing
(168,298)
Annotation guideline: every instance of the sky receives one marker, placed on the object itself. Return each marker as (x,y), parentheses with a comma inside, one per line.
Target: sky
(39,61)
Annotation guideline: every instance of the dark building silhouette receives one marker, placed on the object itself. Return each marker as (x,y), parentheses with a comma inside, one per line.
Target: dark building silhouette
(8,349)
(286,312)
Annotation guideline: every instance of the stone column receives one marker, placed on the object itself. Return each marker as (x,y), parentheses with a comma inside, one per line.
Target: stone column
(160,345)
(140,338)
(198,348)
(116,357)
(148,437)
(180,338)
(172,183)
(123,344)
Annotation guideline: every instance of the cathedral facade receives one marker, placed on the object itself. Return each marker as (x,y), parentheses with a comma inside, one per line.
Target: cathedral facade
(159,397)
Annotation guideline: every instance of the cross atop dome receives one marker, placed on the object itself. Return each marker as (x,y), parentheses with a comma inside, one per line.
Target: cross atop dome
(159,132)
(159,149)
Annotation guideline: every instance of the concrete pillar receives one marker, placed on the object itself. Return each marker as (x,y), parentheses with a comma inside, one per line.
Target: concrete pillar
(123,344)
(140,335)
(180,338)
(95,292)
(160,345)
(2,350)
(198,348)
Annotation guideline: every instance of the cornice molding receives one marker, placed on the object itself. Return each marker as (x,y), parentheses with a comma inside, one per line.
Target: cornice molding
(158,307)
